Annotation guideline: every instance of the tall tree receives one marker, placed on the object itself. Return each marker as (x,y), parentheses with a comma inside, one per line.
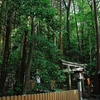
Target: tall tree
(60,32)
(98,45)
(67,6)
(77,31)
(30,57)
(23,60)
(6,51)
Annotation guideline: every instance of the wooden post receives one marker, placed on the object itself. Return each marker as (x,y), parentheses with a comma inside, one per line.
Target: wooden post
(69,77)
(89,82)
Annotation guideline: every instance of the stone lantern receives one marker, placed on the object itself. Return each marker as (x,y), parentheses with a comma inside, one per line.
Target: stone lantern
(78,74)
(78,70)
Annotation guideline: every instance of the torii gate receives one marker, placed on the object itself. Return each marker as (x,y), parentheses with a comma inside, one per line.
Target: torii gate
(78,70)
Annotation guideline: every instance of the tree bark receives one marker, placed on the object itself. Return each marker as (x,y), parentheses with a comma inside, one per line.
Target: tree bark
(60,33)
(67,22)
(98,47)
(29,63)
(6,54)
(23,62)
(77,31)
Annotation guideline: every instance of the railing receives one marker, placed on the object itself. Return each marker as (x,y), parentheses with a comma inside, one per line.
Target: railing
(65,95)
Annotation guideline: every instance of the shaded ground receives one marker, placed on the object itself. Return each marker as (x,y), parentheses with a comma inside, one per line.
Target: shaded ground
(91,99)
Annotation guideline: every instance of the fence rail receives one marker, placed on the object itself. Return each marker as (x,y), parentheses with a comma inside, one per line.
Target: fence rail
(65,95)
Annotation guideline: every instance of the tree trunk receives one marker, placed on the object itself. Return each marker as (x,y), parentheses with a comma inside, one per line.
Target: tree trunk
(23,62)
(1,29)
(78,36)
(98,47)
(60,33)
(29,63)
(6,54)
(68,34)
(67,22)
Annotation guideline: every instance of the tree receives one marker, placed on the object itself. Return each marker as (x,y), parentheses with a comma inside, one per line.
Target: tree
(60,32)
(6,50)
(36,35)
(29,62)
(67,6)
(98,45)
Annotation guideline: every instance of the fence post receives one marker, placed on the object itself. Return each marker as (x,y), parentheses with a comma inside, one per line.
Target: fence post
(64,95)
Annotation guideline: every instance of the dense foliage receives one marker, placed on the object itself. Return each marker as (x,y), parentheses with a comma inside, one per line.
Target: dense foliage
(36,34)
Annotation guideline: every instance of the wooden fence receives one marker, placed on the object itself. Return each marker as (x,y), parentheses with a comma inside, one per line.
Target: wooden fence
(65,95)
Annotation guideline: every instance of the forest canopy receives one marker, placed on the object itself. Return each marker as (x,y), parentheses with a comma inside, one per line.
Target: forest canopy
(35,35)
